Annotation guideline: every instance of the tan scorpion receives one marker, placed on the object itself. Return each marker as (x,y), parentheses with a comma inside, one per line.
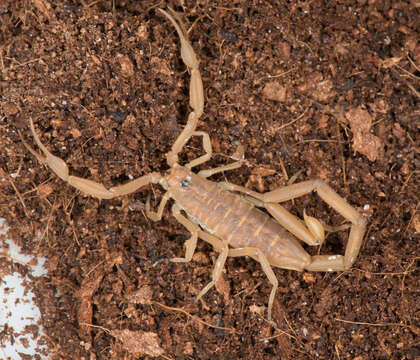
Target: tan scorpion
(223,214)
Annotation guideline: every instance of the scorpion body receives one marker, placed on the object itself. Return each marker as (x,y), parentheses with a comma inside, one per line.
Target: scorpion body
(229,216)
(216,213)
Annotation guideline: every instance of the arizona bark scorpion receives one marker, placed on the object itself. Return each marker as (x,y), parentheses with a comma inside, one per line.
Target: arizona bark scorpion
(216,213)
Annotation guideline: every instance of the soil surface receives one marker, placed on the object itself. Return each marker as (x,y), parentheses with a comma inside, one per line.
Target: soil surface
(311,89)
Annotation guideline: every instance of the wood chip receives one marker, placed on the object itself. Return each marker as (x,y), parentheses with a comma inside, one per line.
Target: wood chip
(139,343)
(275,91)
(141,296)
(363,141)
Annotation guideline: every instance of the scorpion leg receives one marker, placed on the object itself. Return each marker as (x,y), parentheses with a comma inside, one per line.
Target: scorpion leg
(209,172)
(207,148)
(232,187)
(258,255)
(217,271)
(196,88)
(326,193)
(207,156)
(156,216)
(191,246)
(255,253)
(214,241)
(88,187)
(192,228)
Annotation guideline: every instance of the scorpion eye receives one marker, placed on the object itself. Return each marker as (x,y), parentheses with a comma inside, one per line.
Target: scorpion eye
(185,183)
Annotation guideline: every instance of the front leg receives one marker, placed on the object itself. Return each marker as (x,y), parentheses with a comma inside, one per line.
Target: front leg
(207,149)
(88,187)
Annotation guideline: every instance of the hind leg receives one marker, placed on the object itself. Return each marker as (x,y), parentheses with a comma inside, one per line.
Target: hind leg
(258,255)
(192,228)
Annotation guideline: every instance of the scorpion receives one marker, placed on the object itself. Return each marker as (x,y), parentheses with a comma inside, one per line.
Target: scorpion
(225,215)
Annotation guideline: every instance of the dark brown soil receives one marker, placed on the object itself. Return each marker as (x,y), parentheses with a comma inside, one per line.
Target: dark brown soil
(318,89)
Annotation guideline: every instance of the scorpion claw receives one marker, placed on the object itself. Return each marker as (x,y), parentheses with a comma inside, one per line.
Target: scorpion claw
(315,227)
